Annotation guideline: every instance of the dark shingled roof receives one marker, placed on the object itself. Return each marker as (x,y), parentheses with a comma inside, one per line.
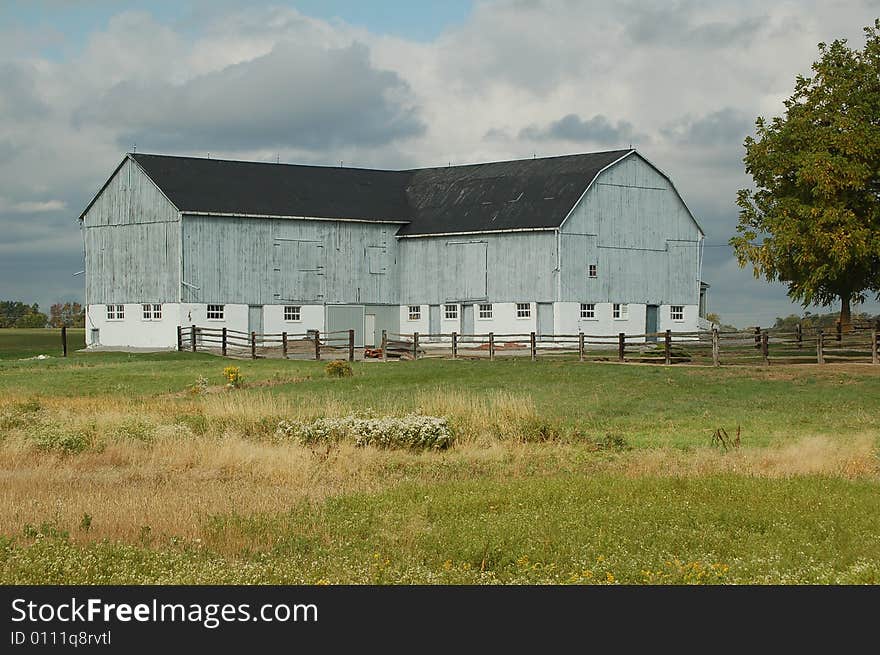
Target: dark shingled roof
(240,187)
(522,194)
(507,195)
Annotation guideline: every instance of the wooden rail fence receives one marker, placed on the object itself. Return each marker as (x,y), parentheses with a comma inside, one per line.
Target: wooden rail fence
(715,347)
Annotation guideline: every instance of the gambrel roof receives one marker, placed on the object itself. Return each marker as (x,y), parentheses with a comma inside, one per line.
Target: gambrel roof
(525,194)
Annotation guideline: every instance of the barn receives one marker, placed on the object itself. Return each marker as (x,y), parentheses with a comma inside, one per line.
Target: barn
(599,243)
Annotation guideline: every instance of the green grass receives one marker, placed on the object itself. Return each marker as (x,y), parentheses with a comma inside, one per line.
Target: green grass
(498,512)
(647,404)
(21,343)
(559,529)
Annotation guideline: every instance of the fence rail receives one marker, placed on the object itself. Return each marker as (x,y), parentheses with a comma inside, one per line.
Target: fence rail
(716,347)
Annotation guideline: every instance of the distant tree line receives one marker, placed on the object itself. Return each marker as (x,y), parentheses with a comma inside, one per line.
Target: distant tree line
(823,321)
(16,314)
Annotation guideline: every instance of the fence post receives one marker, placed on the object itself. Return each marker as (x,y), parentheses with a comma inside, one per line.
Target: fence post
(799,335)
(415,345)
(874,356)
(820,344)
(839,327)
(284,345)
(716,354)
(667,347)
(757,338)
(351,345)
(454,345)
(192,335)
(317,345)
(491,346)
(580,346)
(223,345)
(765,347)
(180,338)
(532,346)
(384,345)
(253,345)
(64,340)
(621,347)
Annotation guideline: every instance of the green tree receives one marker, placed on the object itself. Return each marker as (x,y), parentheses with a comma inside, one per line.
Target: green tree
(816,205)
(33,319)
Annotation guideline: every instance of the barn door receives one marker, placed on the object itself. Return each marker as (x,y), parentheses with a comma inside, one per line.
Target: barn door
(467,318)
(545,319)
(434,320)
(370,330)
(255,319)
(651,321)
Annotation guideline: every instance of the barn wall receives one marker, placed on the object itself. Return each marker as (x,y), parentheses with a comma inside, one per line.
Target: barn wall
(633,225)
(288,261)
(507,267)
(131,235)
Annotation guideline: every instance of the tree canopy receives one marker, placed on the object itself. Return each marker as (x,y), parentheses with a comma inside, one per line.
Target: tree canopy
(813,219)
(14,313)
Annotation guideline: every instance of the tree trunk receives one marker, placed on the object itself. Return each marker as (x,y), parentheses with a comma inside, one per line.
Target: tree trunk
(845,315)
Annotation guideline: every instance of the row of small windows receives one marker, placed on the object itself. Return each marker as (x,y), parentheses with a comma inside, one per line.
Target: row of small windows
(620,311)
(484,311)
(293,313)
(149,312)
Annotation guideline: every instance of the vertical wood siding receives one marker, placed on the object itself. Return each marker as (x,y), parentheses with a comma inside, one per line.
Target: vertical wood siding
(273,261)
(508,267)
(131,241)
(634,226)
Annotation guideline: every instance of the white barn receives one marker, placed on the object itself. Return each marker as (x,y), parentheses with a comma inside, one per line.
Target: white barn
(599,243)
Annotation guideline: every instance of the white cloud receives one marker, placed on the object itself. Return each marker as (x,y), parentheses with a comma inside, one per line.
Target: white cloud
(682,81)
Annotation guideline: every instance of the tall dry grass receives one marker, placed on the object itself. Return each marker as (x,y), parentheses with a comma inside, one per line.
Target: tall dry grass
(171,463)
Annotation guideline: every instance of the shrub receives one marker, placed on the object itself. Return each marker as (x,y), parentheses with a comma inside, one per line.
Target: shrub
(540,430)
(200,386)
(56,437)
(234,378)
(613,442)
(412,431)
(137,430)
(339,368)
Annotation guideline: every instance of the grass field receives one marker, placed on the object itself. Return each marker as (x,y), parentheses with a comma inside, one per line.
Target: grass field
(113,472)
(21,343)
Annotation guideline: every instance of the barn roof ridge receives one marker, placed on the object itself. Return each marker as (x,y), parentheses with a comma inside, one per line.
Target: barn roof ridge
(536,193)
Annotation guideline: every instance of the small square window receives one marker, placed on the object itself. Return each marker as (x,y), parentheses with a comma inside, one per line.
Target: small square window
(292,313)
(588,310)
(676,312)
(115,312)
(148,312)
(593,270)
(620,311)
(485,310)
(450,312)
(157,312)
(415,312)
(215,312)
(523,310)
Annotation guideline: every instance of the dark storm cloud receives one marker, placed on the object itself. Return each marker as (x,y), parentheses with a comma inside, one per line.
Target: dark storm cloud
(292,97)
(572,127)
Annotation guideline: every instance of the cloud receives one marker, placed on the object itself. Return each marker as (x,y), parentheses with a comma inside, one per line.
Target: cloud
(19,97)
(686,25)
(291,97)
(682,81)
(572,127)
(726,127)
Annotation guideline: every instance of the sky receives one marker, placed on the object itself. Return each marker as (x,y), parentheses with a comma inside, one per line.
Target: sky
(392,85)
